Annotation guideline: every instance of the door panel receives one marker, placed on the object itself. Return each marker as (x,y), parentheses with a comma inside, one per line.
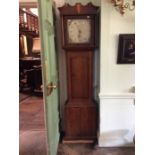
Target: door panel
(79,77)
(50,76)
(88,121)
(79,74)
(81,121)
(73,123)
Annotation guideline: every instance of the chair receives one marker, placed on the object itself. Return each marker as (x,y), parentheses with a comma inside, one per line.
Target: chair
(27,80)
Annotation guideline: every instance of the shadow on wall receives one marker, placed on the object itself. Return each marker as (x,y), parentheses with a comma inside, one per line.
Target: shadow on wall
(122,137)
(132,89)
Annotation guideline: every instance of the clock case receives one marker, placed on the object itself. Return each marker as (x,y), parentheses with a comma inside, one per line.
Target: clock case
(80,110)
(79,11)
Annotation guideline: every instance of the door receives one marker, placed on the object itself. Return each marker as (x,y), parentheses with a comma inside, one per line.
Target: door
(50,77)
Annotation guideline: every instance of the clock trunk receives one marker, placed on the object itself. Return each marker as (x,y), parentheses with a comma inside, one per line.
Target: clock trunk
(80,110)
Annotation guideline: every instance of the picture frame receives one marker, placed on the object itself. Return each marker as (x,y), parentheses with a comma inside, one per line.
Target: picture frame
(126,49)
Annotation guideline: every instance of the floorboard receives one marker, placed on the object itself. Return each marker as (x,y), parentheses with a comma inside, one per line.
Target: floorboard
(32,138)
(90,149)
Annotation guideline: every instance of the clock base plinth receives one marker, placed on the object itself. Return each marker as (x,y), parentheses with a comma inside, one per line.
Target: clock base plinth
(80,120)
(76,140)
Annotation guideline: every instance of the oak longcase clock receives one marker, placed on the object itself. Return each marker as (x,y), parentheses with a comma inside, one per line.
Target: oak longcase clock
(79,25)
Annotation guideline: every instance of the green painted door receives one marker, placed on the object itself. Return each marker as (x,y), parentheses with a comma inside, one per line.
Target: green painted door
(50,73)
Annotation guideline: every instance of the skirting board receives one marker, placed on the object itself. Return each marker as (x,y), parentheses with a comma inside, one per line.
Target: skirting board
(117,96)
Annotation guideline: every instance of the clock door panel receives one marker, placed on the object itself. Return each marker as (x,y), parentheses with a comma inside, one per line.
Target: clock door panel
(79,75)
(81,121)
(88,121)
(73,122)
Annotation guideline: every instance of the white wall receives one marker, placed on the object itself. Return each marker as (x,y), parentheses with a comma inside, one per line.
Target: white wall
(116,103)
(114,78)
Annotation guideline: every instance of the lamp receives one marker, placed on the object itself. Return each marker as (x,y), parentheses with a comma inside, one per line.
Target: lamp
(122,5)
(36,45)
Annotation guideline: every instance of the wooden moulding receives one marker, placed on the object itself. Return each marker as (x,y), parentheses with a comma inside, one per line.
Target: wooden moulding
(78,8)
(77,141)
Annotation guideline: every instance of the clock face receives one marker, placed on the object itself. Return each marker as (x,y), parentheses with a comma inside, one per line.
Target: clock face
(79,31)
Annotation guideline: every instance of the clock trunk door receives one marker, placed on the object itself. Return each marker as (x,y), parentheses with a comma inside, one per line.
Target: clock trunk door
(79,66)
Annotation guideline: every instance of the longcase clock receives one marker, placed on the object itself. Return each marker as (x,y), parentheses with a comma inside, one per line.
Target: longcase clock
(79,25)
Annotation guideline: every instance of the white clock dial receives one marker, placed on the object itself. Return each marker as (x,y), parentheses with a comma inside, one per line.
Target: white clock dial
(79,30)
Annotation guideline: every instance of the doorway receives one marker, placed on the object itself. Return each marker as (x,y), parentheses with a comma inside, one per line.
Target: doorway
(32,127)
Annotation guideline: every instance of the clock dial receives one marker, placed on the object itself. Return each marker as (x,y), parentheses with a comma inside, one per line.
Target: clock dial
(79,30)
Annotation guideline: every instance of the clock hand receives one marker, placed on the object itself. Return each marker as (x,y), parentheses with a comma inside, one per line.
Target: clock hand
(79,33)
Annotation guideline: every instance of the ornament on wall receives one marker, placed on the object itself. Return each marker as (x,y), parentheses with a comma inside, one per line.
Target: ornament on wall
(123,5)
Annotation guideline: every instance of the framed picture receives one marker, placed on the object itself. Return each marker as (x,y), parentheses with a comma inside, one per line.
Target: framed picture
(126,49)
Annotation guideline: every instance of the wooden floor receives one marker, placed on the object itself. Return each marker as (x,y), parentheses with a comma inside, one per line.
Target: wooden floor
(90,149)
(32,127)
(31,114)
